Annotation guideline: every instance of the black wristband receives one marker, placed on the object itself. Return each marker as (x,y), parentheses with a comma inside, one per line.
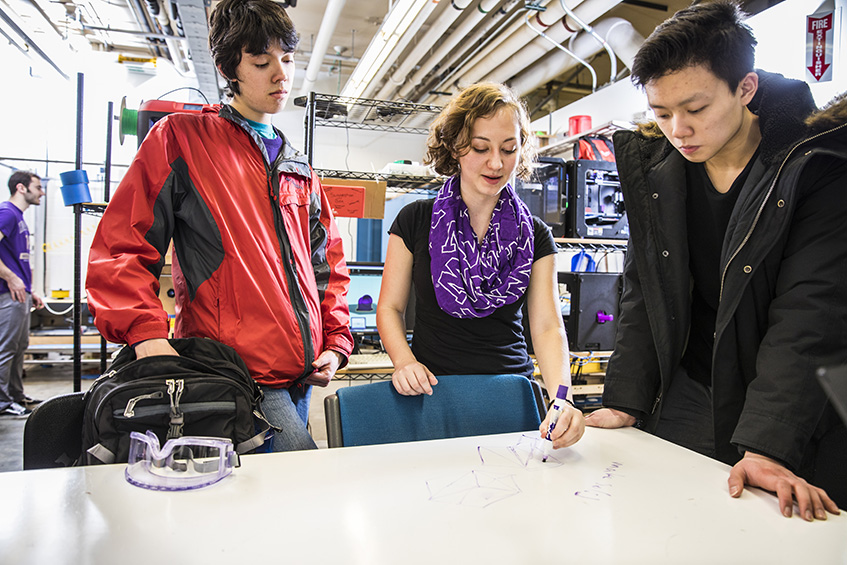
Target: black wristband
(566,400)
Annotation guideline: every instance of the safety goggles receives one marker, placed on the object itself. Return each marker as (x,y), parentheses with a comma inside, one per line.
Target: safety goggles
(183,463)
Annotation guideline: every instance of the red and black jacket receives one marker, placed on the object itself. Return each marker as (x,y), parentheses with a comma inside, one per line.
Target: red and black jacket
(258,261)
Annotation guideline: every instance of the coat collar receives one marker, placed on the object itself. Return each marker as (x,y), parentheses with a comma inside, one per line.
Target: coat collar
(289,160)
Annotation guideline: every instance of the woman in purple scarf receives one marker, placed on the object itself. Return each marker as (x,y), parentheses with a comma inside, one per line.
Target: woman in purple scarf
(474,255)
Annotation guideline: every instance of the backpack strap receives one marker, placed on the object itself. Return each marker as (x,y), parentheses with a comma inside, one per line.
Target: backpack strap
(601,148)
(101,453)
(259,439)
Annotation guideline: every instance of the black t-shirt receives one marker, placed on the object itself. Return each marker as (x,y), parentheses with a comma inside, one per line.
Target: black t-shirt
(462,346)
(707,215)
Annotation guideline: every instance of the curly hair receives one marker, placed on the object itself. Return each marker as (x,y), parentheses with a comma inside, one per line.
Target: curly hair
(252,25)
(450,133)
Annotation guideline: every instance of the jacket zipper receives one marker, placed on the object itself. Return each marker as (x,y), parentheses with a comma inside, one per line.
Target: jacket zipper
(160,409)
(129,411)
(298,302)
(765,201)
(146,381)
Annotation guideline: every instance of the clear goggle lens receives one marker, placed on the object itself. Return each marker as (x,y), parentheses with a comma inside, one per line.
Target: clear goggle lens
(181,464)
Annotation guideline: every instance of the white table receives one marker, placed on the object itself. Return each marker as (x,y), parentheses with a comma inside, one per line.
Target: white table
(619,496)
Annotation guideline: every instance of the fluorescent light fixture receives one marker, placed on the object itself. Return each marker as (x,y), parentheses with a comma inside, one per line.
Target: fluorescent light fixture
(394,26)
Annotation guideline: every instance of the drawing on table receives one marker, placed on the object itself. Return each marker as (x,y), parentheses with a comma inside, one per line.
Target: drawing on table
(527,454)
(475,488)
(602,489)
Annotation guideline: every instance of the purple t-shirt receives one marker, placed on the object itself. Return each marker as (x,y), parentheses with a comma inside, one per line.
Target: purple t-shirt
(14,247)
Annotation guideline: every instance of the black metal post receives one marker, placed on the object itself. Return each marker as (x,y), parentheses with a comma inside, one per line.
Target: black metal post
(78,245)
(107,180)
(310,127)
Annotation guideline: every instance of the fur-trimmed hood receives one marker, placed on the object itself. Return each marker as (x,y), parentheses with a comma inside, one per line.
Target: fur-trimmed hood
(786,111)
(833,114)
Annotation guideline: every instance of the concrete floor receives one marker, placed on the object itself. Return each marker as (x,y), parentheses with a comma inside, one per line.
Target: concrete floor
(45,381)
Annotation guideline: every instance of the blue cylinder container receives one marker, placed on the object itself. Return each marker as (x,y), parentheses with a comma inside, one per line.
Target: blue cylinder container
(75,187)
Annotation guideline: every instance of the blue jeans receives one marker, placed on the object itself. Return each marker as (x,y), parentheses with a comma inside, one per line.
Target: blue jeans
(288,409)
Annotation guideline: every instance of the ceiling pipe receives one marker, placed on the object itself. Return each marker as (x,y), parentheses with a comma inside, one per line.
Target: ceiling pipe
(332,13)
(131,32)
(142,18)
(18,29)
(540,46)
(559,46)
(400,79)
(510,47)
(595,35)
(481,38)
(619,33)
(590,10)
(404,42)
(160,13)
(399,26)
(482,43)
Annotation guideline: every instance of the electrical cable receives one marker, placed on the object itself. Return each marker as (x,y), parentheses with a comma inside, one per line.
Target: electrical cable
(194,88)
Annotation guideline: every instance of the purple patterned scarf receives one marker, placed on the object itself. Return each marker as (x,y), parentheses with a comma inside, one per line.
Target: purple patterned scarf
(472,280)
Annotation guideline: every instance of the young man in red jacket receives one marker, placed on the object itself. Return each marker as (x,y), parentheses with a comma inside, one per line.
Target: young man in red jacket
(258,260)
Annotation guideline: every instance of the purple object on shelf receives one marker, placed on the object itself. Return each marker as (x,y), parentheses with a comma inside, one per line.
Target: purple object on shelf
(602,317)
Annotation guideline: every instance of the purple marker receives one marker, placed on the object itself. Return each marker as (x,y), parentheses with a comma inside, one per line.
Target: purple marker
(555,412)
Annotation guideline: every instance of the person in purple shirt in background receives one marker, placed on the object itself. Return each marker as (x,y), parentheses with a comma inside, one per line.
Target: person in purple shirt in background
(16,296)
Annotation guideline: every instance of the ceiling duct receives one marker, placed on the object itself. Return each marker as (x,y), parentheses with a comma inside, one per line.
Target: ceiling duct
(433,36)
(403,13)
(195,23)
(401,47)
(619,33)
(160,14)
(332,12)
(504,46)
(535,50)
(441,58)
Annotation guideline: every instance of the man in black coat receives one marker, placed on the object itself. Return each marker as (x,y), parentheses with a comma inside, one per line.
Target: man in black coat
(735,289)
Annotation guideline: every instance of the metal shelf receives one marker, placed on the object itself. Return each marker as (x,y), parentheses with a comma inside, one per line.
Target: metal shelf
(564,145)
(93,208)
(329,110)
(395,183)
(366,114)
(567,244)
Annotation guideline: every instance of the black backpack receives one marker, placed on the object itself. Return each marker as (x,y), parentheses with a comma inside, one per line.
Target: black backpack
(206,391)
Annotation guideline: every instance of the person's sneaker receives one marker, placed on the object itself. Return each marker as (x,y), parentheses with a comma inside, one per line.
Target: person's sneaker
(16,409)
(29,401)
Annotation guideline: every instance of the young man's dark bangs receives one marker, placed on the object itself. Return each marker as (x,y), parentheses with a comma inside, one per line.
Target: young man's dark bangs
(259,36)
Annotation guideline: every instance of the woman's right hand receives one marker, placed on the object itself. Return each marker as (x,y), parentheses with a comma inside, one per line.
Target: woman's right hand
(413,379)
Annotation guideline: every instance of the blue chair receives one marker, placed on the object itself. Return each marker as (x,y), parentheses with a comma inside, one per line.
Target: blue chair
(460,405)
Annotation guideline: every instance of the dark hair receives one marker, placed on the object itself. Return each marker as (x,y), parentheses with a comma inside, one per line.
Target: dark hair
(450,133)
(20,177)
(712,34)
(251,25)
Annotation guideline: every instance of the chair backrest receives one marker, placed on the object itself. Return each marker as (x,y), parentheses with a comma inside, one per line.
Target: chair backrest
(460,405)
(53,432)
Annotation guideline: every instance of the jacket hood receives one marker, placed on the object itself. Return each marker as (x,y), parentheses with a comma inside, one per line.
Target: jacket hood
(833,114)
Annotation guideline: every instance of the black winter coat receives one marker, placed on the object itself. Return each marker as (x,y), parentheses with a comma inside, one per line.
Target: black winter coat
(783,306)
